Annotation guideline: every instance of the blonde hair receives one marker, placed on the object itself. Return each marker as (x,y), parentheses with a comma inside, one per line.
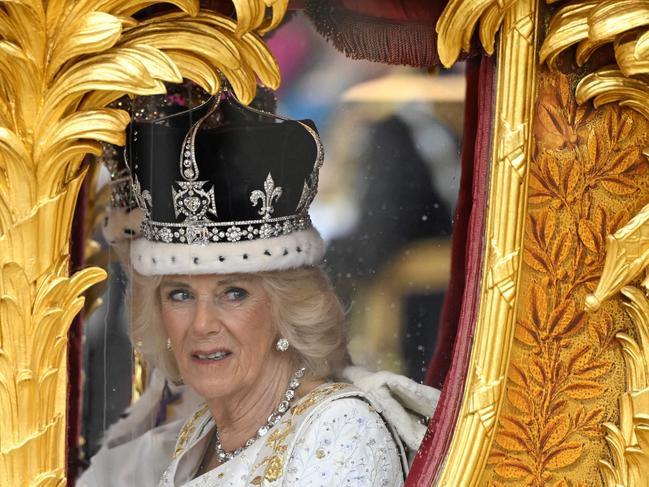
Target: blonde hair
(304,309)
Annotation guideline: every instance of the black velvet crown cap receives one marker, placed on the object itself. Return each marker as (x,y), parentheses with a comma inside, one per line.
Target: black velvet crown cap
(239,190)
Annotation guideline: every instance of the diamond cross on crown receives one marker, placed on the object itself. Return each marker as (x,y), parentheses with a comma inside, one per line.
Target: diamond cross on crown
(194,200)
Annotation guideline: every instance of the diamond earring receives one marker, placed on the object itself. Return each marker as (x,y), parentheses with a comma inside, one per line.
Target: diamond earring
(282,345)
(169,344)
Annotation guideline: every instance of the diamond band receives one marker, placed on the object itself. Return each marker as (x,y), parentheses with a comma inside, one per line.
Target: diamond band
(204,232)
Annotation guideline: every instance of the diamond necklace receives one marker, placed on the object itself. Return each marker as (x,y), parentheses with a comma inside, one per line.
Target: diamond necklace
(273,419)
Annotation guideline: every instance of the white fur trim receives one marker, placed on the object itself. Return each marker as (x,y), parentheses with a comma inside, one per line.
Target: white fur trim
(121,224)
(296,249)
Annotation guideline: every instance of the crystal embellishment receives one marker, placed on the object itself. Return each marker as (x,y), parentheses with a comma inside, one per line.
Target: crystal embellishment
(192,203)
(271,193)
(194,200)
(273,419)
(305,198)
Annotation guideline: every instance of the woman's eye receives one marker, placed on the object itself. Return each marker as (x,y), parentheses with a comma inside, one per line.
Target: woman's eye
(236,294)
(179,295)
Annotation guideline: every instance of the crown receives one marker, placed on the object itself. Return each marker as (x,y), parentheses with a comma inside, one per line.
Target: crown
(226,197)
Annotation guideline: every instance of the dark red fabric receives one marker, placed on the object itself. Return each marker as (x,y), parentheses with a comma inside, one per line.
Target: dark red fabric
(75,344)
(441,360)
(417,10)
(384,31)
(480,100)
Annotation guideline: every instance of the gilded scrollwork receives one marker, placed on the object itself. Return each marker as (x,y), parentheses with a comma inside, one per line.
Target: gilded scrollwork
(610,85)
(511,153)
(61,63)
(458,21)
(628,440)
(624,26)
(591,25)
(627,253)
(587,168)
(251,15)
(588,25)
(627,256)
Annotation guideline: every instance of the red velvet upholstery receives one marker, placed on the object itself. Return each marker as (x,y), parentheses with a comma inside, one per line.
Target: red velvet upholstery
(459,316)
(385,31)
(441,359)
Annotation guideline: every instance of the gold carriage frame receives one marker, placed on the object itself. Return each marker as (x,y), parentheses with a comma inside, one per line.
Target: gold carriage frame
(52,113)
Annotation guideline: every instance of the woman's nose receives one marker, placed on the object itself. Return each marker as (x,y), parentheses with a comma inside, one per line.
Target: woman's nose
(206,318)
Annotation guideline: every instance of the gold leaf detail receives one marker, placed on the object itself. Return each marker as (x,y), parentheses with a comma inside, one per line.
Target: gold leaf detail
(274,468)
(457,23)
(513,469)
(583,157)
(554,432)
(511,152)
(61,63)
(510,442)
(584,389)
(565,455)
(526,334)
(520,400)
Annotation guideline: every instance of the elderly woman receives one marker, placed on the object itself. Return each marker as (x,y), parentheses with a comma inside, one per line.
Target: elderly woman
(227,297)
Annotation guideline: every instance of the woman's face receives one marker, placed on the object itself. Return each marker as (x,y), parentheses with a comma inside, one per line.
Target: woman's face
(221,331)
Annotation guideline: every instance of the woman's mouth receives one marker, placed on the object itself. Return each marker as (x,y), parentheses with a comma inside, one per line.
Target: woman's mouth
(213,356)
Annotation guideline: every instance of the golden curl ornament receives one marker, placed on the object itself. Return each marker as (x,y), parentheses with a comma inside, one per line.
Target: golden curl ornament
(61,63)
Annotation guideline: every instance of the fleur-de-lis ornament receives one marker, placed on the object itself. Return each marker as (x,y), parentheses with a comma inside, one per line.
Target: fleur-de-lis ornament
(271,193)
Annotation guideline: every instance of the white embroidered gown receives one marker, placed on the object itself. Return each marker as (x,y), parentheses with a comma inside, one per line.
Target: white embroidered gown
(331,437)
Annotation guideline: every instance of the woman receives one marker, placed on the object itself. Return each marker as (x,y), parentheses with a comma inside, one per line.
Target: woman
(227,296)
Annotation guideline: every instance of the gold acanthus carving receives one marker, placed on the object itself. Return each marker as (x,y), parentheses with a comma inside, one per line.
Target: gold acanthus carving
(61,63)
(251,15)
(629,441)
(590,25)
(458,20)
(594,23)
(623,24)
(627,256)
(511,153)
(610,85)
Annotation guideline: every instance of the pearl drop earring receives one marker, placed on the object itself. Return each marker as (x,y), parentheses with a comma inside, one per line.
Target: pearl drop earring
(169,344)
